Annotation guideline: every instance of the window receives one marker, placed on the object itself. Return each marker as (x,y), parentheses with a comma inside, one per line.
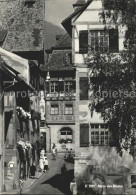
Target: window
(54,87)
(68,86)
(54,109)
(99,134)
(99,40)
(66,133)
(69,109)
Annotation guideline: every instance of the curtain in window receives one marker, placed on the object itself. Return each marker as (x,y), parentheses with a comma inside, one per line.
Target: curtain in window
(84,135)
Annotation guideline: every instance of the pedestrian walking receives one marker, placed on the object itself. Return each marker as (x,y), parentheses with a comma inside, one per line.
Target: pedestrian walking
(46,168)
(32,170)
(63,172)
(54,151)
(21,183)
(66,154)
(41,163)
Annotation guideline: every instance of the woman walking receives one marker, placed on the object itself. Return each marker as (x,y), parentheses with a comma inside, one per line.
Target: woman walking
(41,163)
(54,151)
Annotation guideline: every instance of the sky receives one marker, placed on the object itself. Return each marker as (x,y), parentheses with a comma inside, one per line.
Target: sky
(57,10)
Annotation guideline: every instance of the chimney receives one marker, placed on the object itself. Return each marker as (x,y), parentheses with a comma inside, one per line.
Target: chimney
(79,4)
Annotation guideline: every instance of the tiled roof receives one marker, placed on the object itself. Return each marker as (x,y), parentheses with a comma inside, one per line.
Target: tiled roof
(64,41)
(61,57)
(60,60)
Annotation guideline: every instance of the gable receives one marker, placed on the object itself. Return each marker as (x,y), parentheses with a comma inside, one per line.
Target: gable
(91,13)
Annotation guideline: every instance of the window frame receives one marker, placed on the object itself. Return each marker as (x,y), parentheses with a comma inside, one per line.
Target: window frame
(68,84)
(111,34)
(68,111)
(65,129)
(105,34)
(98,128)
(53,113)
(54,84)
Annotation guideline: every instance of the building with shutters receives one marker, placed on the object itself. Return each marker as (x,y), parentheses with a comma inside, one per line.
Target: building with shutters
(22,26)
(94,154)
(60,96)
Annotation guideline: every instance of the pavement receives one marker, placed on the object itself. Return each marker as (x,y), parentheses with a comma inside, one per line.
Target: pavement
(28,183)
(49,183)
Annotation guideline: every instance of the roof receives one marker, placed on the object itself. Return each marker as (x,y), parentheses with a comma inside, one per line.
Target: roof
(60,60)
(9,74)
(79,2)
(67,22)
(64,41)
(16,62)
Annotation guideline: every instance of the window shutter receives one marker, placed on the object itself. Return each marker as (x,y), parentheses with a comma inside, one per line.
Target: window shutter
(113,40)
(83,88)
(84,135)
(83,41)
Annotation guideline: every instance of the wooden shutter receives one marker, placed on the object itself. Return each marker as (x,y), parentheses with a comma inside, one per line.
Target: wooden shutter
(113,40)
(83,83)
(84,135)
(83,41)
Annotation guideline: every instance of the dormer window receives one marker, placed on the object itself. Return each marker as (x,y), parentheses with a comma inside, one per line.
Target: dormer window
(29,3)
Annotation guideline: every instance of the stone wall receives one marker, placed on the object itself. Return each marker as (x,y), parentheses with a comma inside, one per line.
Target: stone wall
(25,25)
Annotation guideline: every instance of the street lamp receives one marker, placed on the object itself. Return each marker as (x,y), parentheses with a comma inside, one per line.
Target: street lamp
(45,95)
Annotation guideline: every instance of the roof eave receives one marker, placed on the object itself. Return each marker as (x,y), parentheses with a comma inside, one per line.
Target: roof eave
(67,22)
